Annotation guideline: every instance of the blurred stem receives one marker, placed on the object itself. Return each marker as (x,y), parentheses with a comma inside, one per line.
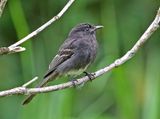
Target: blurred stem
(109,19)
(124,95)
(22,29)
(152,95)
(100,106)
(66,105)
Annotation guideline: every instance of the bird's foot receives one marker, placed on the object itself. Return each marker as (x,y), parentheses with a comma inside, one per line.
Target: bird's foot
(74,82)
(91,76)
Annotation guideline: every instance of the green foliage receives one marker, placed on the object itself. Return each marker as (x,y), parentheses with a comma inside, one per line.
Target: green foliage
(128,92)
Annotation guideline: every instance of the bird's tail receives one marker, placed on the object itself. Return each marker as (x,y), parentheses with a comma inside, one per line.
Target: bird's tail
(42,84)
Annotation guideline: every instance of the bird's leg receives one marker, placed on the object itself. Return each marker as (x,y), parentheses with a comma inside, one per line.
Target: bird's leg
(91,76)
(73,80)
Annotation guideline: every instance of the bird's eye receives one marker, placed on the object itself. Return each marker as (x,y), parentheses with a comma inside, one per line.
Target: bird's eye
(87,29)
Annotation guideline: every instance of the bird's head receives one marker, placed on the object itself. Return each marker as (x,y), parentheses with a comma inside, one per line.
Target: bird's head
(85,29)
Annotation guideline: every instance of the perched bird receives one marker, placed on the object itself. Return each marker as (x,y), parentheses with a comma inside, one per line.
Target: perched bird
(74,56)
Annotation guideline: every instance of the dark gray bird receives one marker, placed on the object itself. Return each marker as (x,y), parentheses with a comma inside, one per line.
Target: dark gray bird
(74,56)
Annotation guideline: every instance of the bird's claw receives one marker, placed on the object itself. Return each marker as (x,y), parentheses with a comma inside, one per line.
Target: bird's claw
(91,76)
(73,82)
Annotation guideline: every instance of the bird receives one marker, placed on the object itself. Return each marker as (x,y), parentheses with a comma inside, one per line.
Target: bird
(74,56)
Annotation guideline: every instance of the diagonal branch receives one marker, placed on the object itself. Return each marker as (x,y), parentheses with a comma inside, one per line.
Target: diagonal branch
(13,48)
(147,34)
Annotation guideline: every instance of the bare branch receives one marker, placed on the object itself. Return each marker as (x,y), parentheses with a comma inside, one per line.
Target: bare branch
(6,50)
(151,29)
(11,49)
(2,5)
(34,33)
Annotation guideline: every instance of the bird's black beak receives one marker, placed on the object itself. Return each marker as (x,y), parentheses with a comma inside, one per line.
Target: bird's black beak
(98,27)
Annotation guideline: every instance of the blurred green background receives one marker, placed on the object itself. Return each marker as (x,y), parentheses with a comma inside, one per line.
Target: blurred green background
(131,91)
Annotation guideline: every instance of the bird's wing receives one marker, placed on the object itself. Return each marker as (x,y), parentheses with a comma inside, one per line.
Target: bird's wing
(66,50)
(63,54)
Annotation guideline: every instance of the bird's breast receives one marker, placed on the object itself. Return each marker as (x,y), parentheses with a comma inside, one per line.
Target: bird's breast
(77,71)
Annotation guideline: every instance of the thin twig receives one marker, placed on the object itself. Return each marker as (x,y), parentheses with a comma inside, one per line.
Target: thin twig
(2,5)
(13,48)
(151,29)
(30,82)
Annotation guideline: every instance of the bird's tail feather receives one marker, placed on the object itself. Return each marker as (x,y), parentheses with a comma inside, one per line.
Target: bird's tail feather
(42,84)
